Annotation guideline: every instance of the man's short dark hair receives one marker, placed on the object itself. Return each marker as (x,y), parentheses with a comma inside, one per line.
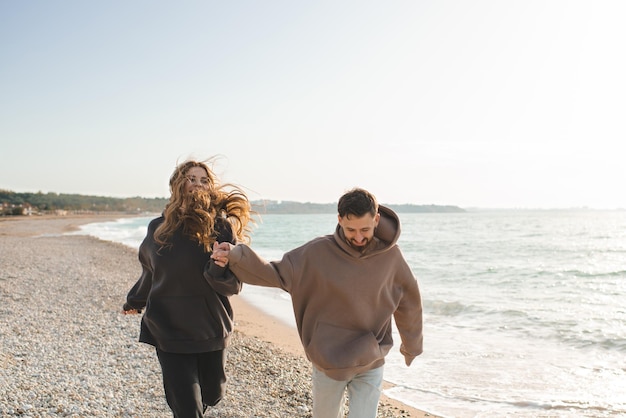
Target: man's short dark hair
(357,202)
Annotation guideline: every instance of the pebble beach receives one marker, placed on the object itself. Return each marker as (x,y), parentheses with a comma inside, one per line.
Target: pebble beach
(67,351)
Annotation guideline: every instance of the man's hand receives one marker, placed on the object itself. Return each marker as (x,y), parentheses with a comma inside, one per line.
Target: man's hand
(221,251)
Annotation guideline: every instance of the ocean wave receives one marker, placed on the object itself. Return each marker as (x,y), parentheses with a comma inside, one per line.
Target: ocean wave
(592,274)
(444,308)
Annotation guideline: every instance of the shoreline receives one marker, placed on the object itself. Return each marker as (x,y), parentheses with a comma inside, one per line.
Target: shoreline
(252,326)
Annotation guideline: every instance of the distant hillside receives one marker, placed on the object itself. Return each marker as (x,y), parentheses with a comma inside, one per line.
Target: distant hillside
(286,207)
(12,203)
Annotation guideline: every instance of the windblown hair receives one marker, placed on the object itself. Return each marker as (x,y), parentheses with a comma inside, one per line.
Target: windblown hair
(196,212)
(357,202)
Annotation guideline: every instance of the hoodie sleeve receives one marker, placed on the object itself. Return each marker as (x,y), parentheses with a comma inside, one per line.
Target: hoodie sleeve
(221,279)
(138,294)
(408,316)
(252,269)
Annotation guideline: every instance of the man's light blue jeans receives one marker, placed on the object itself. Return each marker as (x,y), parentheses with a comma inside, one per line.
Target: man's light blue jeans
(364,391)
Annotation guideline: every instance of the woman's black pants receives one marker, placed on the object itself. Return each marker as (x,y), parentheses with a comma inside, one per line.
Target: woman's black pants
(192,381)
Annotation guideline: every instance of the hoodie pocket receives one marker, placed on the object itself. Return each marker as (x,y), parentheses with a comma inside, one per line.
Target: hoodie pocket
(185,318)
(335,347)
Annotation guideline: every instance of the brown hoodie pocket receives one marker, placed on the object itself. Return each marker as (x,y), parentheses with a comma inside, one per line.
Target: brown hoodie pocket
(334,347)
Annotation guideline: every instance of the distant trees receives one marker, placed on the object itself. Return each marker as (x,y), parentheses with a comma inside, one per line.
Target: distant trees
(14,203)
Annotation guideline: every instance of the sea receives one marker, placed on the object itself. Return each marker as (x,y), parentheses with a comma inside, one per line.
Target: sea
(524,310)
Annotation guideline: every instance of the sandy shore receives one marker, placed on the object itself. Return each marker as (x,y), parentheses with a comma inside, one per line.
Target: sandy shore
(65,349)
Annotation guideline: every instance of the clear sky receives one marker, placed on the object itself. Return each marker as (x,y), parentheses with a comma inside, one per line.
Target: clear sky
(494,103)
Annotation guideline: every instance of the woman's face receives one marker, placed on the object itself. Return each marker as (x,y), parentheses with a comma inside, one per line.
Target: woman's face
(197,178)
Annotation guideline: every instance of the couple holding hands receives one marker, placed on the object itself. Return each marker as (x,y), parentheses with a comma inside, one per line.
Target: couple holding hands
(345,289)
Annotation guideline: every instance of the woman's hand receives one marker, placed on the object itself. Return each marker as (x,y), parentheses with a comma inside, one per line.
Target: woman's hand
(220,254)
(131,312)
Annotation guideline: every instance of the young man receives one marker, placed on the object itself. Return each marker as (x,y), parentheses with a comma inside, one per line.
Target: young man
(344,288)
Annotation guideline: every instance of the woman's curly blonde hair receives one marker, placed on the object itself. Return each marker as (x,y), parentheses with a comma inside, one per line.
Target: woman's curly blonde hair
(196,212)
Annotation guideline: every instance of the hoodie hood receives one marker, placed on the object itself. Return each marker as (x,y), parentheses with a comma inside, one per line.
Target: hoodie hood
(386,235)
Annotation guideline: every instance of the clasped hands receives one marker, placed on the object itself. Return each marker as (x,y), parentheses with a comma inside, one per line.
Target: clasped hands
(220,254)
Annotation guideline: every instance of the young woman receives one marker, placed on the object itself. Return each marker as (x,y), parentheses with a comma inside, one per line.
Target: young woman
(188,319)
